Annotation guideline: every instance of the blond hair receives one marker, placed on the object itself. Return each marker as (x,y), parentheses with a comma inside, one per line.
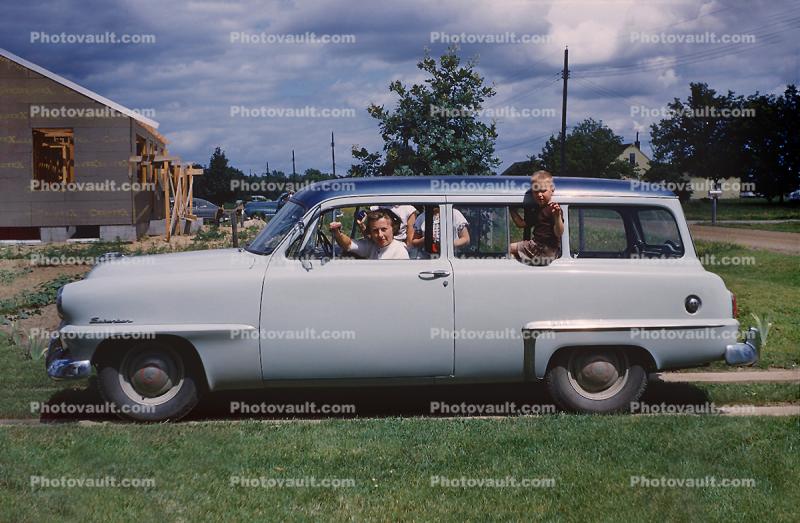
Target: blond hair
(542,177)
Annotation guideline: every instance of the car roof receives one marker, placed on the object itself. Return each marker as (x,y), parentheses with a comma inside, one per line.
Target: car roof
(471,185)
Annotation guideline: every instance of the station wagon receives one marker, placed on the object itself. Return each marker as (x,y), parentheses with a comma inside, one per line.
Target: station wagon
(627,296)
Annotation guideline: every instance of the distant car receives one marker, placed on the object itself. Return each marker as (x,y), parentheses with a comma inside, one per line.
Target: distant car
(794,196)
(748,194)
(258,198)
(262,209)
(206,210)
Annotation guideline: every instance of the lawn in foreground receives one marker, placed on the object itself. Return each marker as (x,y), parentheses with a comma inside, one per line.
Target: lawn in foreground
(593,460)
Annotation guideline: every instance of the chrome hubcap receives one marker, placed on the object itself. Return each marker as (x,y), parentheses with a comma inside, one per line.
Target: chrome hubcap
(151,375)
(598,375)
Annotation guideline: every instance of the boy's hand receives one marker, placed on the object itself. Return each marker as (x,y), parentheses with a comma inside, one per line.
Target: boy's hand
(335,227)
(555,208)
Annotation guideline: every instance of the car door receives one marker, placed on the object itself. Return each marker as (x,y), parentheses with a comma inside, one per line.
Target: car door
(348,319)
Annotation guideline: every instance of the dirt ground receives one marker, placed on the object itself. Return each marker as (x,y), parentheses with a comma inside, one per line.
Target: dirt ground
(783,242)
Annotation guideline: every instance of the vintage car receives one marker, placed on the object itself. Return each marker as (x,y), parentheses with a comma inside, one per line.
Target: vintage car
(627,296)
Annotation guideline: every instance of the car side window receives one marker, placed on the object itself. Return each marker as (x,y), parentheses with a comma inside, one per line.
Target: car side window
(597,232)
(659,233)
(319,241)
(487,230)
(628,231)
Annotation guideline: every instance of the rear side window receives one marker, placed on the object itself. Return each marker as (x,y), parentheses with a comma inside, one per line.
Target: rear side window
(597,233)
(623,232)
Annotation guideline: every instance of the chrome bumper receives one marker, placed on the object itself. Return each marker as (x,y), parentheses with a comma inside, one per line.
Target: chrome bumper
(61,366)
(745,353)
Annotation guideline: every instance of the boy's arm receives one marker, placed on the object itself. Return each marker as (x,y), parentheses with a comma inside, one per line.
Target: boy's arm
(558,225)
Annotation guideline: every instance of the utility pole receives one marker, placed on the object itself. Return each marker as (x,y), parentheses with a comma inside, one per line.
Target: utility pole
(333,155)
(294,172)
(267,168)
(564,75)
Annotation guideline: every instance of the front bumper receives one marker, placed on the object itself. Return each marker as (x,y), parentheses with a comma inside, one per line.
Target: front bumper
(60,364)
(745,353)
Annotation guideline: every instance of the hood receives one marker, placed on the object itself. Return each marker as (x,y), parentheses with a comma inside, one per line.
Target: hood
(211,260)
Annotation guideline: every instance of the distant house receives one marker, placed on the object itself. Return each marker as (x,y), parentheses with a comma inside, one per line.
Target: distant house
(56,133)
(524,168)
(632,153)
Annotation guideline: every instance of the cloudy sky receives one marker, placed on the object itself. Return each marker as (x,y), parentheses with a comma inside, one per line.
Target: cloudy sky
(213,62)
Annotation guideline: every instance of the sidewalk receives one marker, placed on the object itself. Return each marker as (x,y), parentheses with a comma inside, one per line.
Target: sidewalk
(748,376)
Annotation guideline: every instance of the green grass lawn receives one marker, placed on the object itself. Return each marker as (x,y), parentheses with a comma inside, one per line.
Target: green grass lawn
(771,286)
(393,467)
(744,209)
(777,226)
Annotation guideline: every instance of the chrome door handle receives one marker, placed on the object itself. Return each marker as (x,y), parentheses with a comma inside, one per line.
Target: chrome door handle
(434,274)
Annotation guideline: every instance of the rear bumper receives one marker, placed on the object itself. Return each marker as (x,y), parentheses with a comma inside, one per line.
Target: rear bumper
(745,353)
(60,364)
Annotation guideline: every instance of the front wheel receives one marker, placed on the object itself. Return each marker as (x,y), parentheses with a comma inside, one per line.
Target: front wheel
(149,381)
(597,381)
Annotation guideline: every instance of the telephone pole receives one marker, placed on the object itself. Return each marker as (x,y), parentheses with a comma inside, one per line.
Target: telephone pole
(294,172)
(267,168)
(564,75)
(333,155)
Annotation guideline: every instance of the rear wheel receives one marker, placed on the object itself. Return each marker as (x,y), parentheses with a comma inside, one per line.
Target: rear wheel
(150,381)
(596,380)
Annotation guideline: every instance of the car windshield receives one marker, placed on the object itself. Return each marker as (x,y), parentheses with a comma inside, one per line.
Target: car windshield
(277,228)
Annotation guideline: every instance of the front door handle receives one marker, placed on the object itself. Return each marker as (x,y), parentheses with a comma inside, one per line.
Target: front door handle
(431,275)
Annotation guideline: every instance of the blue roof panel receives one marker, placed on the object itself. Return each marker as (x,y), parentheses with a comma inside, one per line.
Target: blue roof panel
(454,185)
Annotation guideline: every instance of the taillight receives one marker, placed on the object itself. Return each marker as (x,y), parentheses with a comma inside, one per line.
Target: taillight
(734,307)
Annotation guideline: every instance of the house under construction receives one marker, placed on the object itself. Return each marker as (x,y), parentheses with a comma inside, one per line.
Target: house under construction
(74,164)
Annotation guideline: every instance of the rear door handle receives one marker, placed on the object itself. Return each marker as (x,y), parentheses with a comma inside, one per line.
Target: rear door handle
(434,274)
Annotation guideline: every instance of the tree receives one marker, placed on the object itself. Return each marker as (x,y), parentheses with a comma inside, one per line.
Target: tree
(434,129)
(771,143)
(671,177)
(700,137)
(592,150)
(215,183)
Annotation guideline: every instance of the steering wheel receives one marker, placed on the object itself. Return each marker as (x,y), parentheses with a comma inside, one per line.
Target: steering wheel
(671,247)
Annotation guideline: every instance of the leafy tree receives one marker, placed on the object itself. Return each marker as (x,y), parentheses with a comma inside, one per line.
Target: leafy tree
(700,138)
(592,150)
(771,143)
(215,183)
(669,175)
(434,128)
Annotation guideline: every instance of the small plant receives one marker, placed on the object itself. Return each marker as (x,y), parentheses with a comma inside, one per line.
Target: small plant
(763,325)
(32,347)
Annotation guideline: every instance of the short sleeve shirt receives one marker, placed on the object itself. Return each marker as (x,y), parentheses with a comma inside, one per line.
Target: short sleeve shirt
(366,248)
